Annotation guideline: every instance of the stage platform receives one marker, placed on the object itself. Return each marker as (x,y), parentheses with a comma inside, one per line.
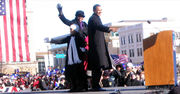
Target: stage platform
(110,90)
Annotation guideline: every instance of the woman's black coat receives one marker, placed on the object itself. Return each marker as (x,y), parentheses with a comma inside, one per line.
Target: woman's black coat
(74,70)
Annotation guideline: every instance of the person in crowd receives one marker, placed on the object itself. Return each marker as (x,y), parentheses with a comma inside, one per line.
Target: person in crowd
(119,75)
(7,82)
(42,84)
(142,78)
(35,84)
(76,51)
(1,84)
(62,84)
(130,78)
(105,79)
(98,55)
(174,90)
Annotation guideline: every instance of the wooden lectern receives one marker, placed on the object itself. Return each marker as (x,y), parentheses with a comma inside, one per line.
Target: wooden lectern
(159,60)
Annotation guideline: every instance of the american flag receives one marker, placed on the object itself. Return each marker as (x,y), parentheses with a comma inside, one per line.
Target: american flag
(119,59)
(13,31)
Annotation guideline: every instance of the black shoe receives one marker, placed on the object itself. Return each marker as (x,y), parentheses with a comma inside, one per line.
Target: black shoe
(97,89)
(78,90)
(82,90)
(72,90)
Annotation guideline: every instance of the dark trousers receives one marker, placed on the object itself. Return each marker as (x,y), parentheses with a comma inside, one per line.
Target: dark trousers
(77,77)
(96,76)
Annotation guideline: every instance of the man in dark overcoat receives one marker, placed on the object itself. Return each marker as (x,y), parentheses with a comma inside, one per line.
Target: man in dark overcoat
(98,55)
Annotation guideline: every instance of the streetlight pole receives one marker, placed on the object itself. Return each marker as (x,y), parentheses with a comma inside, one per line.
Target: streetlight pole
(148,21)
(48,55)
(117,49)
(46,40)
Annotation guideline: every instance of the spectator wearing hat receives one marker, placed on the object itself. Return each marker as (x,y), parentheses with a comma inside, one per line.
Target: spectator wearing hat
(129,74)
(130,78)
(75,73)
(119,75)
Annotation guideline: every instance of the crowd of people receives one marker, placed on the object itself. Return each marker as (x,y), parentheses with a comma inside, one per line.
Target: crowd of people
(16,82)
(120,76)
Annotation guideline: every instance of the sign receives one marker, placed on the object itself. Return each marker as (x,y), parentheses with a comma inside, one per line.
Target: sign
(60,55)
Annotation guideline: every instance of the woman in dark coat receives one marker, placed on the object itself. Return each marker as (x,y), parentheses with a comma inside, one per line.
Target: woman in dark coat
(98,55)
(75,72)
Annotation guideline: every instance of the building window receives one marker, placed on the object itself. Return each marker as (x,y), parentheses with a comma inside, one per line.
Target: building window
(123,52)
(131,52)
(141,51)
(124,40)
(116,34)
(138,38)
(112,33)
(131,38)
(121,41)
(137,51)
(41,66)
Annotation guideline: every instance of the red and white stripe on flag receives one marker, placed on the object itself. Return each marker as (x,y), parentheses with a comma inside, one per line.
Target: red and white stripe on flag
(123,58)
(119,59)
(13,32)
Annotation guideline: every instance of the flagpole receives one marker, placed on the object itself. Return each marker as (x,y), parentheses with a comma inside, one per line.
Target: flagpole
(1,66)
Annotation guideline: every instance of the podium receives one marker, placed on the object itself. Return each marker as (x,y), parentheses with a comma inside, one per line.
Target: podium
(160,60)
